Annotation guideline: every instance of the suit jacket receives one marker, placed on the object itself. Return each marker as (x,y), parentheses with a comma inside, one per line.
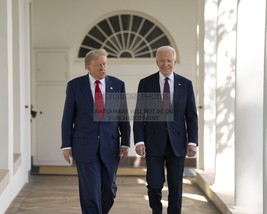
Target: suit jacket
(83,132)
(181,126)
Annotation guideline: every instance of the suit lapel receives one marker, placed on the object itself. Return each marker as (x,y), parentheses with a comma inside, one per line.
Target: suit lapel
(156,90)
(177,88)
(156,86)
(108,93)
(109,86)
(86,91)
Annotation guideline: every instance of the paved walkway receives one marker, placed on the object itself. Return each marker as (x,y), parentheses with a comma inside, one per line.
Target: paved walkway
(46,194)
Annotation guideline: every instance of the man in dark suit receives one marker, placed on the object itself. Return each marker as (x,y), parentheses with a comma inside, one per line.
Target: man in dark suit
(93,133)
(165,129)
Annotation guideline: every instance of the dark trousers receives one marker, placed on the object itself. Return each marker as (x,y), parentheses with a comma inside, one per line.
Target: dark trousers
(97,187)
(156,178)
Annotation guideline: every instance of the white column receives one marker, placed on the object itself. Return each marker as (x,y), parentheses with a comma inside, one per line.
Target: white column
(200,81)
(249,106)
(16,179)
(25,82)
(16,77)
(210,15)
(225,96)
(3,86)
(6,84)
(265,130)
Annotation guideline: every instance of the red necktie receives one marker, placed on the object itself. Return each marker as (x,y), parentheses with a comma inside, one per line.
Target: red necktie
(166,95)
(99,102)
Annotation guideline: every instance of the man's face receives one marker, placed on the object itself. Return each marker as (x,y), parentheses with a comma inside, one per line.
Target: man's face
(98,67)
(166,62)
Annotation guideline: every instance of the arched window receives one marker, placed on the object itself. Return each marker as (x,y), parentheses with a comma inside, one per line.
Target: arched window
(125,36)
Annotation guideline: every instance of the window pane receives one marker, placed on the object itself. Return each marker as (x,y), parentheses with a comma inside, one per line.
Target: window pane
(125,36)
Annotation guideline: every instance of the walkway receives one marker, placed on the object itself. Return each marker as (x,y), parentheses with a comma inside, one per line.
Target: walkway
(50,194)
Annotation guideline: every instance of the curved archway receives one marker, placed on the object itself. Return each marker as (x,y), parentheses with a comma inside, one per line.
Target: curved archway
(125,35)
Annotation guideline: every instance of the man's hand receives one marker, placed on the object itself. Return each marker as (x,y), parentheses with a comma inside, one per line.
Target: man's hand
(67,153)
(141,150)
(191,150)
(124,152)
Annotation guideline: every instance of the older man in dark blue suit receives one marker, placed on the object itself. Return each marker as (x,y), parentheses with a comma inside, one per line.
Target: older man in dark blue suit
(165,129)
(96,132)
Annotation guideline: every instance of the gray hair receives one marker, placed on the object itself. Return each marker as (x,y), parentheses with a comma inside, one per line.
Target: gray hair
(164,49)
(94,54)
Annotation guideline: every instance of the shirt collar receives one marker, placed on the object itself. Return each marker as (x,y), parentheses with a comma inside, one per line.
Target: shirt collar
(92,80)
(162,78)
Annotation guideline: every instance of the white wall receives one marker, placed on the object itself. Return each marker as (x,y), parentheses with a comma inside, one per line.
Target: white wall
(62,24)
